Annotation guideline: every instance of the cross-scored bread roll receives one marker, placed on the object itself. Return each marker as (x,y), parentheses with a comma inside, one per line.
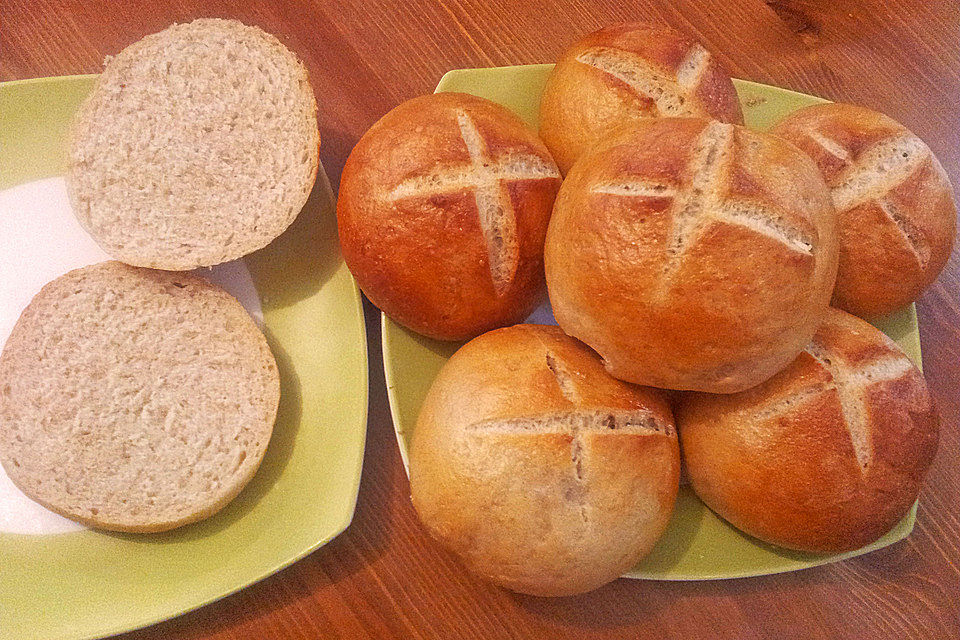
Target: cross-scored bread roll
(133,399)
(442,211)
(198,145)
(692,254)
(536,468)
(896,214)
(828,454)
(625,72)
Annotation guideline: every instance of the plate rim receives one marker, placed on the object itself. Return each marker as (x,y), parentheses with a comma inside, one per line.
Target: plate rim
(388,377)
(41,79)
(341,524)
(386,340)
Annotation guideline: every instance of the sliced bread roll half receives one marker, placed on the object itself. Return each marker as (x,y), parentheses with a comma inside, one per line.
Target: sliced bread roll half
(134,399)
(198,145)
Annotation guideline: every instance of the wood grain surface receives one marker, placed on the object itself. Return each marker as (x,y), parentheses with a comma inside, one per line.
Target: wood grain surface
(383,578)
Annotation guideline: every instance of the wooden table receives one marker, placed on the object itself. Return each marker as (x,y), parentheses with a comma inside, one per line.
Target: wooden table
(383,578)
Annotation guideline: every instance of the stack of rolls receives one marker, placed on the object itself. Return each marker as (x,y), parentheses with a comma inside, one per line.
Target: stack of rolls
(690,263)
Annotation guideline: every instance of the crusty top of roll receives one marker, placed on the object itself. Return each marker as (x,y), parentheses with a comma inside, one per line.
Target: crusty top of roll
(825,456)
(692,254)
(540,470)
(442,211)
(561,376)
(895,204)
(627,71)
(197,145)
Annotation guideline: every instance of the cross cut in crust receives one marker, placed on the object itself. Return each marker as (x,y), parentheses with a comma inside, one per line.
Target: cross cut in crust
(698,204)
(488,177)
(877,172)
(850,384)
(672,95)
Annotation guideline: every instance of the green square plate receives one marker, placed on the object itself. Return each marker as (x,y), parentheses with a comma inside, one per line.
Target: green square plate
(88,583)
(697,545)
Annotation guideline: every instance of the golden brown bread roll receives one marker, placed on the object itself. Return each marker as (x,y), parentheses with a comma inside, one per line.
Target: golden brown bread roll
(828,454)
(536,468)
(625,72)
(442,211)
(896,214)
(692,254)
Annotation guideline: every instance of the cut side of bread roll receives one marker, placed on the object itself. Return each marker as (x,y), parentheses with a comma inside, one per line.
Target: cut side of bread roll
(133,399)
(538,469)
(198,145)
(825,456)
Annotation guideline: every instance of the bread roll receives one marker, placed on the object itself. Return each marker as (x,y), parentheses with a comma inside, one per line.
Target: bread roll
(133,399)
(895,207)
(825,456)
(625,72)
(198,145)
(692,254)
(536,468)
(442,212)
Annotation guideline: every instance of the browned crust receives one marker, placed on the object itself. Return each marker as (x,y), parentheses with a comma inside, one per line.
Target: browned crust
(510,504)
(423,260)
(792,479)
(740,307)
(878,273)
(581,103)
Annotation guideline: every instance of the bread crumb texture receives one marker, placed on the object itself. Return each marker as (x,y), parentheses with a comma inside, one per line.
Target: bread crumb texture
(198,145)
(133,399)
